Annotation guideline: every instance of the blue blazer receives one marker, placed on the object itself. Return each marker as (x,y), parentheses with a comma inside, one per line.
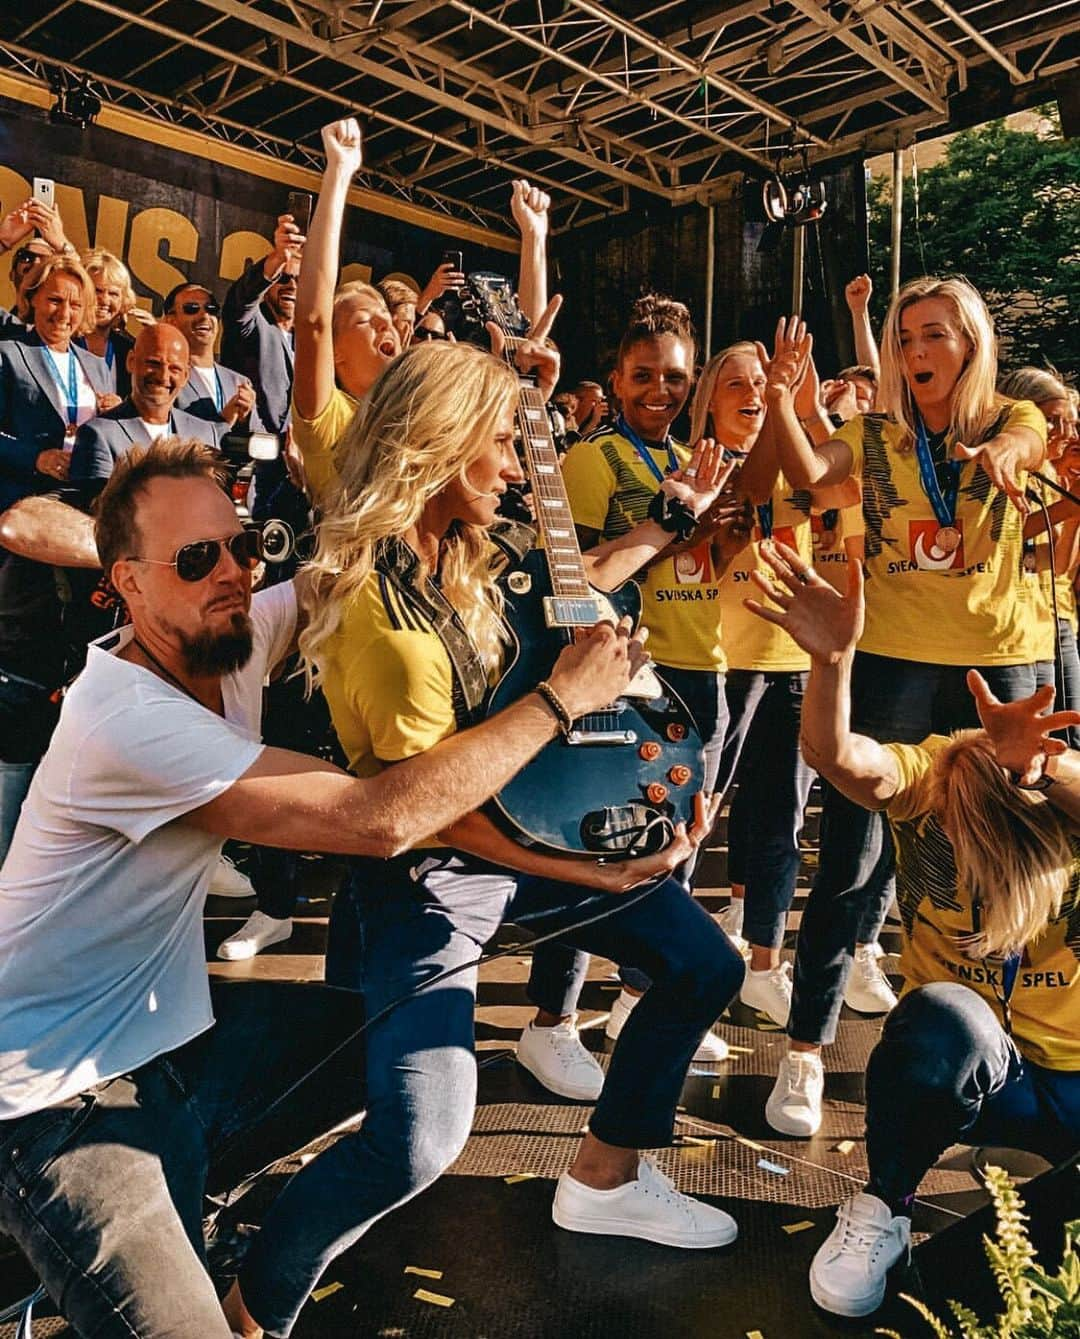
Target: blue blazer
(256,346)
(33,414)
(104,440)
(192,400)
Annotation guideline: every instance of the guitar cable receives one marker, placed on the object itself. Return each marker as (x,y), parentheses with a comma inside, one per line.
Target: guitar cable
(1039,497)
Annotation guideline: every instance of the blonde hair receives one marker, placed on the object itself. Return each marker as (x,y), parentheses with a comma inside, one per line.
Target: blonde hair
(975,401)
(114,271)
(427,418)
(42,273)
(1038,384)
(347,294)
(1012,848)
(710,375)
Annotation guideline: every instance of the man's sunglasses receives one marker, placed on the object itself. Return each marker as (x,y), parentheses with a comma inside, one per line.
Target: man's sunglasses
(193,308)
(24,256)
(422,332)
(285,279)
(195,561)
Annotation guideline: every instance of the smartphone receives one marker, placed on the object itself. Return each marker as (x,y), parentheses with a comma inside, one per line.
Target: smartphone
(45,191)
(451,258)
(299,206)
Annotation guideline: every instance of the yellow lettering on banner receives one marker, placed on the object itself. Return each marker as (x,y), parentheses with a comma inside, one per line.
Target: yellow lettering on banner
(71,203)
(111,227)
(237,249)
(150,230)
(355,273)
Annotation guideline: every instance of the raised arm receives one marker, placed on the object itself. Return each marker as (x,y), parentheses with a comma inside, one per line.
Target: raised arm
(827,626)
(804,464)
(313,382)
(296,802)
(49,531)
(529,206)
(1006,457)
(857,293)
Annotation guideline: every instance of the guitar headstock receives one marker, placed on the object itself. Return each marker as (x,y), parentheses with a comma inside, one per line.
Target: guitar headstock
(488,296)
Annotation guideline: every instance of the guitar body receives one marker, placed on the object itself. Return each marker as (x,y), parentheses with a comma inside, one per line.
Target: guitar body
(614,791)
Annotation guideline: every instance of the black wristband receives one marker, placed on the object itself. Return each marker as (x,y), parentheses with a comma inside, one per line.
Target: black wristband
(672,515)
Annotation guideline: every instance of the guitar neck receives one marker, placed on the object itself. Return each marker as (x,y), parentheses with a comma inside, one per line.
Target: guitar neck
(573,604)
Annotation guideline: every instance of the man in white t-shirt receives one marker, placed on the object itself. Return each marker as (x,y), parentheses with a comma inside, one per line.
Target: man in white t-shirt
(213,391)
(115,1089)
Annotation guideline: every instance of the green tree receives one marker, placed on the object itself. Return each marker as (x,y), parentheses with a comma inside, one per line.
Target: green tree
(1003,209)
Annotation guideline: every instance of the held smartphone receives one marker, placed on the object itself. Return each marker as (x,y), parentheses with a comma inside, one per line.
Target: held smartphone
(299,206)
(45,191)
(451,258)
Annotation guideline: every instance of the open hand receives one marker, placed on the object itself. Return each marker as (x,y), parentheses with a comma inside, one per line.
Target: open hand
(15,226)
(1003,459)
(699,484)
(823,622)
(1020,732)
(787,367)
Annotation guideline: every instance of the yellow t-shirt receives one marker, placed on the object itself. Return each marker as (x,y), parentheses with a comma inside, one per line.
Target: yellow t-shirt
(1062,582)
(833,547)
(317,437)
(1045,1001)
(976,606)
(387,680)
(610,488)
(751,643)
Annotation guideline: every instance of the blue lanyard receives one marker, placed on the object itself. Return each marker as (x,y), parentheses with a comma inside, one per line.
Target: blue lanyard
(72,382)
(110,353)
(621,426)
(943,503)
(219,391)
(765,519)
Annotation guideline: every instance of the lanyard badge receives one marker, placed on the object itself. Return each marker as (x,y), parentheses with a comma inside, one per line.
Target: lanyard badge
(72,388)
(947,538)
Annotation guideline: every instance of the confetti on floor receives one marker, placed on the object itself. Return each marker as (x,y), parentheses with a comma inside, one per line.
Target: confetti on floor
(424,1273)
(741,1050)
(435,1299)
(792,1228)
(774,1167)
(321,1294)
(718,1088)
(844,1146)
(519,1176)
(749,1143)
(754,1334)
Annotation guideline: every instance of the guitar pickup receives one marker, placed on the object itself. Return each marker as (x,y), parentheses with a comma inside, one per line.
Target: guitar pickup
(562,611)
(601,737)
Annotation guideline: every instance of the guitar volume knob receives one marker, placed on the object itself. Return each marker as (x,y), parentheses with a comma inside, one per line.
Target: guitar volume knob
(650,750)
(679,775)
(656,792)
(676,732)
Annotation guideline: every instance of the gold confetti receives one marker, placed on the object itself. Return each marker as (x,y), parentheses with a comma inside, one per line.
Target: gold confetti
(424,1273)
(749,1143)
(844,1146)
(792,1228)
(321,1294)
(692,1139)
(717,1090)
(436,1299)
(519,1176)
(754,1334)
(741,1050)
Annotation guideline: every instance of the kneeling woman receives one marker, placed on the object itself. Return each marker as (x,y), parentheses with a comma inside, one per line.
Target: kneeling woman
(984,1046)
(406,633)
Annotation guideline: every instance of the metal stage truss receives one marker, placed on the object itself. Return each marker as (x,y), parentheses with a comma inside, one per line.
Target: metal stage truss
(598,102)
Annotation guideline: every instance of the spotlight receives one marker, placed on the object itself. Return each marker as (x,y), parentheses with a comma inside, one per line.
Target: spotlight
(76,104)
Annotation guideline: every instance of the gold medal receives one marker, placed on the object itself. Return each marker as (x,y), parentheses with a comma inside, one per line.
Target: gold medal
(947,539)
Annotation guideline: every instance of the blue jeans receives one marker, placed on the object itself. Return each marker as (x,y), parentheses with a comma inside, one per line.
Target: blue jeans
(104,1193)
(946,1072)
(762,751)
(555,966)
(400,923)
(899,701)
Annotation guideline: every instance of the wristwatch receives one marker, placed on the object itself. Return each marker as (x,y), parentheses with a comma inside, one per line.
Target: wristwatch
(1044,782)
(68,249)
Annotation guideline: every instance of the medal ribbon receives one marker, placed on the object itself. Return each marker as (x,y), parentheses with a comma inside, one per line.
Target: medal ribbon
(943,503)
(72,382)
(621,426)
(219,391)
(765,519)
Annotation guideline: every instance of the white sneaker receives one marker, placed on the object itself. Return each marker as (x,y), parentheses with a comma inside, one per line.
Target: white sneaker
(848,1273)
(228,881)
(794,1105)
(868,990)
(650,1208)
(730,921)
(555,1057)
(712,1050)
(257,933)
(769,991)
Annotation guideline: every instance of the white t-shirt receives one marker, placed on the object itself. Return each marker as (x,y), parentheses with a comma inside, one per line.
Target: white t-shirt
(207,383)
(155,431)
(86,396)
(102,960)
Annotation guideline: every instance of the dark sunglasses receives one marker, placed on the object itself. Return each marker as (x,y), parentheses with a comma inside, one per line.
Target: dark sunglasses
(193,308)
(285,279)
(24,256)
(422,332)
(195,561)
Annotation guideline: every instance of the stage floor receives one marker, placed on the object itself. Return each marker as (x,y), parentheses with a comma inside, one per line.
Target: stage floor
(484,1231)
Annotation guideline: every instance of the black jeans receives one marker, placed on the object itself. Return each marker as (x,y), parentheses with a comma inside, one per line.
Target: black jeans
(104,1192)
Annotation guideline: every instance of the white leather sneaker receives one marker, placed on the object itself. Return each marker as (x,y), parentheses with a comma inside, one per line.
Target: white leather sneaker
(769,991)
(730,921)
(848,1275)
(555,1057)
(794,1105)
(259,931)
(868,990)
(650,1208)
(228,881)
(712,1049)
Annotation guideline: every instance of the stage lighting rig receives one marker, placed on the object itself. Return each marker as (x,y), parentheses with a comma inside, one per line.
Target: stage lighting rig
(76,103)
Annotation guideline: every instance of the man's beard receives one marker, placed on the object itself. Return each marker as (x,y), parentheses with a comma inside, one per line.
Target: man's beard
(218,652)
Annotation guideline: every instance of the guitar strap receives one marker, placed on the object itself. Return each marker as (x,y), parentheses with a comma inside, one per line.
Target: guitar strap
(396,563)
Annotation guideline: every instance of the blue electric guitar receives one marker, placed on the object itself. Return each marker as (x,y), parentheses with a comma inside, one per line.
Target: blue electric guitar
(622,778)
